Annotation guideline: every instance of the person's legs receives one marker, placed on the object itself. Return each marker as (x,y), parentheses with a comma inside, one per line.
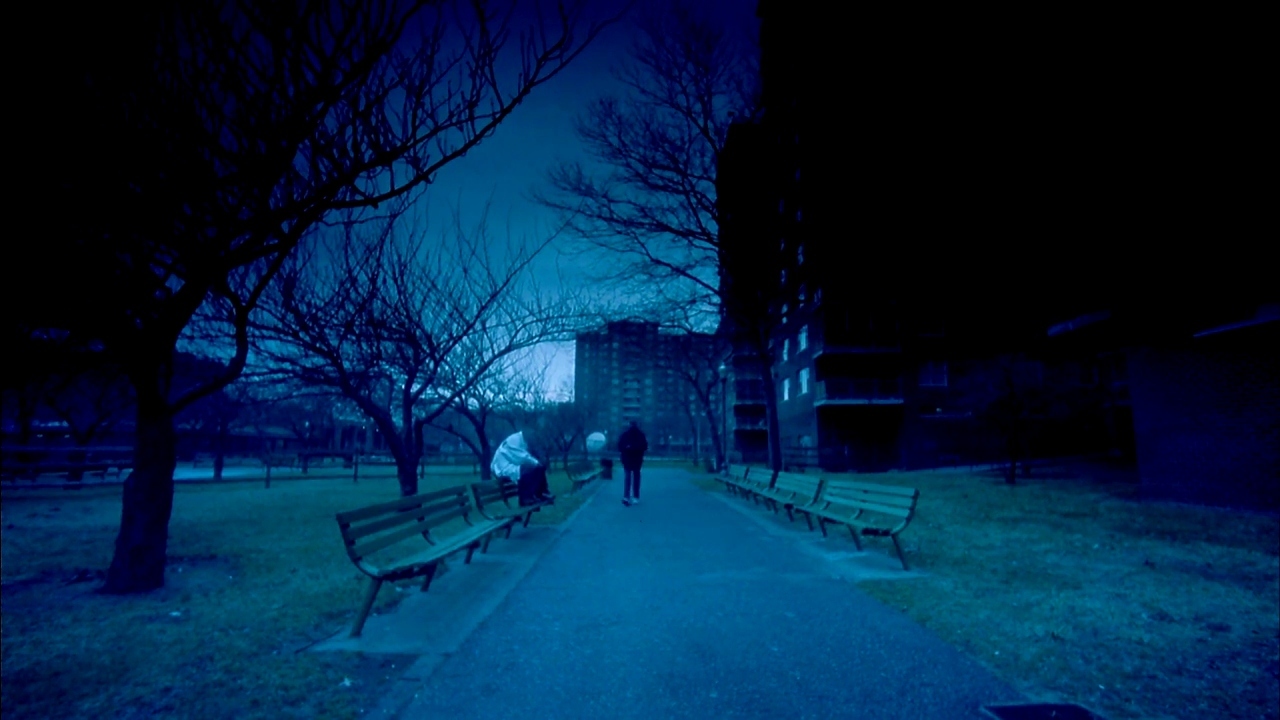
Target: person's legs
(529,485)
(635,487)
(541,488)
(628,475)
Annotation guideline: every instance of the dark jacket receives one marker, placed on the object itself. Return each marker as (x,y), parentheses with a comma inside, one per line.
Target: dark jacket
(632,446)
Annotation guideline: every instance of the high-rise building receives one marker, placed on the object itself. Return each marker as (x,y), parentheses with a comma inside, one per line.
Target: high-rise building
(962,222)
(633,371)
(889,335)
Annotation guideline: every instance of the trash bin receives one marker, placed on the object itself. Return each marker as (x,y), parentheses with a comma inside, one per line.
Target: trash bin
(606,468)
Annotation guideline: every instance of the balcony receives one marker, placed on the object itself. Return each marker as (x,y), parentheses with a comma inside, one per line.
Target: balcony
(859,391)
(748,392)
(750,423)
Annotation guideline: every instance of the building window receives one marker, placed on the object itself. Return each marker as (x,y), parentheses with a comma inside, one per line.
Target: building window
(786,388)
(786,349)
(799,254)
(782,206)
(804,380)
(783,276)
(933,373)
(803,340)
(799,215)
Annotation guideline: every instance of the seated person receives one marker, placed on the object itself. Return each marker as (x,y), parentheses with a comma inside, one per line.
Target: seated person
(513,462)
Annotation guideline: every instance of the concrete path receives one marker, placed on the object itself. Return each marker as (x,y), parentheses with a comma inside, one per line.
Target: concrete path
(690,605)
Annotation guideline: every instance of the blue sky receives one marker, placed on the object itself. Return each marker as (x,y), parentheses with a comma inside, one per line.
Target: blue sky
(507,166)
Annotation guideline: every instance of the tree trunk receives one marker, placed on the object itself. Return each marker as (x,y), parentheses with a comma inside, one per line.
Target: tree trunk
(1011,475)
(408,456)
(141,547)
(771,416)
(219,451)
(486,454)
(78,457)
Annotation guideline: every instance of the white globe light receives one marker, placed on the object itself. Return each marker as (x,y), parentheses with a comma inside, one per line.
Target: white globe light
(595,442)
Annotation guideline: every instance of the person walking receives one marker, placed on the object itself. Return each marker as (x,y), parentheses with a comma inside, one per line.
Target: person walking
(632,446)
(513,461)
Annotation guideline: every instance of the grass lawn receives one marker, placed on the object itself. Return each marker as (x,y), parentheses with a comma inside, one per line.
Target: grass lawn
(255,575)
(1071,589)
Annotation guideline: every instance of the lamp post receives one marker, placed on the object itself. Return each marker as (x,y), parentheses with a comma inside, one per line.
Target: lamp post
(724,418)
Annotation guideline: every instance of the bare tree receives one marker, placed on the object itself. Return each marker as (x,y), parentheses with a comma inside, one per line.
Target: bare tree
(655,210)
(200,142)
(696,360)
(501,392)
(652,210)
(403,328)
(559,425)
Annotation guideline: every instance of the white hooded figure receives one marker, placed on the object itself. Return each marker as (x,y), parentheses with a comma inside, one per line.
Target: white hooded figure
(510,459)
(512,454)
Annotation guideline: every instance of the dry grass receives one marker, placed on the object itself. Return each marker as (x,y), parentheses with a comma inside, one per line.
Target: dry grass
(1073,590)
(255,575)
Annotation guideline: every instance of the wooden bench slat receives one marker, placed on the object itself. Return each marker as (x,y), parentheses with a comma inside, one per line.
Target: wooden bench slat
(886,505)
(836,485)
(365,549)
(498,506)
(407,515)
(372,511)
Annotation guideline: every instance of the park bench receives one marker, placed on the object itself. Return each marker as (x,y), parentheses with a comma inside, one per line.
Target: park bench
(792,490)
(376,535)
(757,481)
(500,500)
(580,476)
(866,509)
(735,478)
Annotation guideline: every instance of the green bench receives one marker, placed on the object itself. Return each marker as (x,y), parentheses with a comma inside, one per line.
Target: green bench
(734,478)
(790,491)
(758,481)
(370,532)
(582,475)
(500,500)
(868,510)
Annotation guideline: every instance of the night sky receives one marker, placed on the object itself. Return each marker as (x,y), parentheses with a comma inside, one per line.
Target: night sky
(508,166)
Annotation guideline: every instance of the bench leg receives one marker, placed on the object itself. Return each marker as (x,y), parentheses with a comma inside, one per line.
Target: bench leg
(485,547)
(511,525)
(470,550)
(431,572)
(527,517)
(809,519)
(790,517)
(857,543)
(374,585)
(901,556)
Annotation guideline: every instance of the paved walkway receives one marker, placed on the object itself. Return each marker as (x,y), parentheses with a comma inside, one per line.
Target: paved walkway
(688,607)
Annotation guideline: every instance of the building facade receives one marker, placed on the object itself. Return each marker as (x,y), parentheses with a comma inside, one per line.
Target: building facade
(633,371)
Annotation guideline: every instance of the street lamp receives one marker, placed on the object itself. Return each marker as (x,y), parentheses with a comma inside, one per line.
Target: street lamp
(724,418)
